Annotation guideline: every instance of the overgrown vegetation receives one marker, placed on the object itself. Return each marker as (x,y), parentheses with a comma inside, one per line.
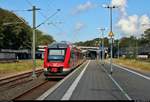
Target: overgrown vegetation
(18,36)
(15,67)
(124,41)
(135,64)
(129,46)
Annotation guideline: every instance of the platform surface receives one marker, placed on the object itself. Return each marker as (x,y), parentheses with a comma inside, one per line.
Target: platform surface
(97,84)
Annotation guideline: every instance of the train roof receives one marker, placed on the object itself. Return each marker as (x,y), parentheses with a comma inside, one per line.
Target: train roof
(61,44)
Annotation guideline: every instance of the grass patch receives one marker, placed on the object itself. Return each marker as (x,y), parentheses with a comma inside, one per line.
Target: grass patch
(22,65)
(136,64)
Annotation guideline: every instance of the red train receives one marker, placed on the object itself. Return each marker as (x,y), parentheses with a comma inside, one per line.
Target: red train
(60,59)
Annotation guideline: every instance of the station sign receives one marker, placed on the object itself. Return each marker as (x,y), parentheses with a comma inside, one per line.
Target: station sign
(111,34)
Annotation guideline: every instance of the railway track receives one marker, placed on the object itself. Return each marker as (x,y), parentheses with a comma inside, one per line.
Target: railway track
(24,87)
(18,79)
(36,91)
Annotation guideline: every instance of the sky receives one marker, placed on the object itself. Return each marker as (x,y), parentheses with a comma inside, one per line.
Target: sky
(79,20)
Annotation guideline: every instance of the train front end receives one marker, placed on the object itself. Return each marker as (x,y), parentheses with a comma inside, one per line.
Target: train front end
(56,60)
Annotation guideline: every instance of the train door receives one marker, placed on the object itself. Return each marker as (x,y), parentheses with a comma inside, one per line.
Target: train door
(72,59)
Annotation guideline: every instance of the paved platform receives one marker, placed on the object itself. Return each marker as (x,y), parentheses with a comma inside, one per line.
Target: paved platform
(96,85)
(93,84)
(134,83)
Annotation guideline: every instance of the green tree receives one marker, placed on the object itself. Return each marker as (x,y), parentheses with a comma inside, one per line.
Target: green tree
(94,42)
(45,40)
(18,36)
(146,36)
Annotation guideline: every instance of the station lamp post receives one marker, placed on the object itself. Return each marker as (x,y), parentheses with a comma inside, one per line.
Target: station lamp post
(111,7)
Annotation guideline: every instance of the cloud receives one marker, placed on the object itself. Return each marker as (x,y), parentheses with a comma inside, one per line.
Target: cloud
(134,24)
(144,22)
(83,7)
(130,24)
(122,6)
(79,26)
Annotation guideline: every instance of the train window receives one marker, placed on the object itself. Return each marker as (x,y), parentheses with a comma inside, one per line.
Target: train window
(56,54)
(72,55)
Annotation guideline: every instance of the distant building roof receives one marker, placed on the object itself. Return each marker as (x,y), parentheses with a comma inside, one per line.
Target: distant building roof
(59,45)
(15,51)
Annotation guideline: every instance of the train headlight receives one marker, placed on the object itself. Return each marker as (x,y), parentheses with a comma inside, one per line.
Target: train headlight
(45,69)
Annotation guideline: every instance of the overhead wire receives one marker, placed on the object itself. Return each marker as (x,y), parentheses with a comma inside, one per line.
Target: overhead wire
(46,17)
(51,22)
(29,2)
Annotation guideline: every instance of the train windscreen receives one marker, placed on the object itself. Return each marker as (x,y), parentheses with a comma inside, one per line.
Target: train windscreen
(56,55)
